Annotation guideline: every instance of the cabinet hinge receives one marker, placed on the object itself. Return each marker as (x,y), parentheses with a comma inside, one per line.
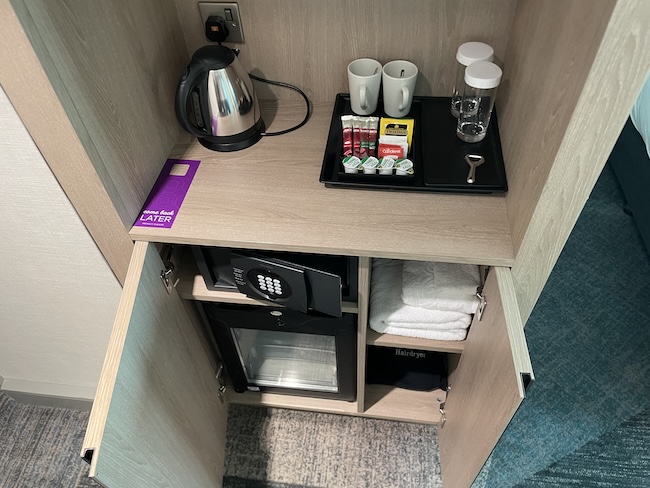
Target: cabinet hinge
(479,292)
(167,274)
(441,407)
(222,383)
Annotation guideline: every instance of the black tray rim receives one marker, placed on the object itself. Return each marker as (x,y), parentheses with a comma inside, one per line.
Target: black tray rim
(329,174)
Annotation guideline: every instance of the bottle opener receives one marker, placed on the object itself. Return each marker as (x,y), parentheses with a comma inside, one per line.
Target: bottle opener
(474,161)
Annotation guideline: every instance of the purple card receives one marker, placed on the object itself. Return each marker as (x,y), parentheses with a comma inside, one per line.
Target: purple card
(167,195)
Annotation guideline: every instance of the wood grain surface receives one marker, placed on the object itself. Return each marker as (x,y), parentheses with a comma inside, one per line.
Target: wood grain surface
(276,400)
(269,197)
(608,93)
(156,420)
(114,66)
(390,403)
(550,52)
(374,338)
(310,43)
(487,386)
(365,269)
(34,98)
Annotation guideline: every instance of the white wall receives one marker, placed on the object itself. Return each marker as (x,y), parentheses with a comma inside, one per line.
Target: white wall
(58,296)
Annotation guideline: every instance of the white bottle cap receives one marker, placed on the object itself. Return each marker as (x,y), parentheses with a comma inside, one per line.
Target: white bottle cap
(471,52)
(483,75)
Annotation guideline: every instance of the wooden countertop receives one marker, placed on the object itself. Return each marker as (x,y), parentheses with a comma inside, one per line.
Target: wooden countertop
(268,197)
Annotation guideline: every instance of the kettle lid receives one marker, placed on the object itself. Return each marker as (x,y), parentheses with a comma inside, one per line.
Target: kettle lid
(214,56)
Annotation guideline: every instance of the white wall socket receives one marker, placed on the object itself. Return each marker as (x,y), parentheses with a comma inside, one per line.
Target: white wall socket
(230,12)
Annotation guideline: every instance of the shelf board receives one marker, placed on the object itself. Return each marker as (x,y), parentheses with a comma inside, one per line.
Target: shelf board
(275,400)
(374,338)
(383,402)
(390,403)
(191,286)
(269,196)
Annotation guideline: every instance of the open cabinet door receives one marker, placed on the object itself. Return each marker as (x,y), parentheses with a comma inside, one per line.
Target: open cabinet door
(157,419)
(489,385)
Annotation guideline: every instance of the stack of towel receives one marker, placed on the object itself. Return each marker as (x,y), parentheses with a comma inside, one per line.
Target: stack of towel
(420,299)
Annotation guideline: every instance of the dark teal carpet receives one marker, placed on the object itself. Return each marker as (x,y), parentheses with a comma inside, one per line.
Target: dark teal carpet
(618,459)
(589,340)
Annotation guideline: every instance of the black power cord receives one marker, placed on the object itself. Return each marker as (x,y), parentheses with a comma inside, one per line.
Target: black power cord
(295,88)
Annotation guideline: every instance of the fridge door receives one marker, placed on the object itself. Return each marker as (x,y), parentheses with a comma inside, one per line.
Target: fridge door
(284,351)
(287,359)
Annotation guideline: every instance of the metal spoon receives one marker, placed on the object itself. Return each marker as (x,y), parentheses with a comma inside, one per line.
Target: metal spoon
(474,161)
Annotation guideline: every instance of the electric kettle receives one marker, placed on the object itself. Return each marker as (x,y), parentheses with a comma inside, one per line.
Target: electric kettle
(216,102)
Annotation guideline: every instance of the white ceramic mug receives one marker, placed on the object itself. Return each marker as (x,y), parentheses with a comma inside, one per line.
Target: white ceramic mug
(364,79)
(399,79)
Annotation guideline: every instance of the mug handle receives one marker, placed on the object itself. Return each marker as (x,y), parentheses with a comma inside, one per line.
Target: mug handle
(363,100)
(405,98)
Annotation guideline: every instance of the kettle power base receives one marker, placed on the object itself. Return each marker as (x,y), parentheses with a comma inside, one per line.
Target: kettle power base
(438,155)
(236,142)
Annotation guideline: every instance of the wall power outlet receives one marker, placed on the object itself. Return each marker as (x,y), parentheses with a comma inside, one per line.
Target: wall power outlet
(230,12)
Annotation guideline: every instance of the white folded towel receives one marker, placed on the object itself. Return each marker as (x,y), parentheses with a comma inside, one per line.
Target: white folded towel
(389,314)
(441,286)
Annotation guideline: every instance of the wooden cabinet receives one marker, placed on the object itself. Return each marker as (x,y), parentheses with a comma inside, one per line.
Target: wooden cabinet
(106,85)
(261,198)
(159,415)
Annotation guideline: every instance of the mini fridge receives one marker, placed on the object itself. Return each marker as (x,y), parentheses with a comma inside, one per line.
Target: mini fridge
(284,351)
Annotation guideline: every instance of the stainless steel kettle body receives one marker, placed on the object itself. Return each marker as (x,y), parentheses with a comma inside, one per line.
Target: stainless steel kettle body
(215,100)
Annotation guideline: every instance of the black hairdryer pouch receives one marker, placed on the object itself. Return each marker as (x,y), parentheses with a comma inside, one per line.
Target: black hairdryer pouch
(406,368)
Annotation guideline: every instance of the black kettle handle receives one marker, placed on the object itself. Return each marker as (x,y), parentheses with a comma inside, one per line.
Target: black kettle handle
(184,91)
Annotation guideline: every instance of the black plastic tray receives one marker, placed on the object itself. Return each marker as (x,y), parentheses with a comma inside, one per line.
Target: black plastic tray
(437,153)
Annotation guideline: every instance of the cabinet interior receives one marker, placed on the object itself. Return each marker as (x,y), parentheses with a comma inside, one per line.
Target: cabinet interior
(105,74)
(378,401)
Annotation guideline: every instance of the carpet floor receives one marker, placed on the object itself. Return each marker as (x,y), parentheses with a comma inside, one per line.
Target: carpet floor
(40,446)
(266,448)
(618,459)
(327,451)
(589,342)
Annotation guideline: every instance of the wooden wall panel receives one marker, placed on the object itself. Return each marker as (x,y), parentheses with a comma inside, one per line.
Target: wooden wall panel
(551,49)
(114,66)
(310,43)
(27,86)
(611,87)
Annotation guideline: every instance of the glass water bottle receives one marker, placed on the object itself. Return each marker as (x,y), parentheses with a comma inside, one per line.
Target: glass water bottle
(468,53)
(481,82)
